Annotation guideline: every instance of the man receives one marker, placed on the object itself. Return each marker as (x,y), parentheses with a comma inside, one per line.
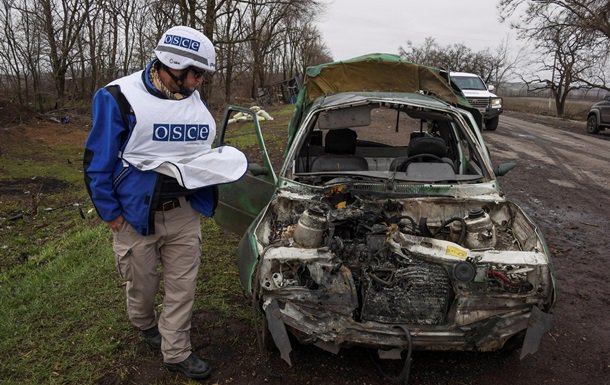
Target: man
(150,171)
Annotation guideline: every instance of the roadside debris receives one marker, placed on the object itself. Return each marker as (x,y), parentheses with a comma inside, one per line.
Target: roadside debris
(260,115)
(15,217)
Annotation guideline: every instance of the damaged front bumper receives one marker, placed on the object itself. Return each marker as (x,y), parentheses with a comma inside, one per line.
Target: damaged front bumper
(331,332)
(322,301)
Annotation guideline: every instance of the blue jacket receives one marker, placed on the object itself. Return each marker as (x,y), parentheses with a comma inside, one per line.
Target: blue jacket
(116,189)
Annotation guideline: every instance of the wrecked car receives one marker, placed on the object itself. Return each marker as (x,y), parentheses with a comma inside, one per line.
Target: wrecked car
(385,227)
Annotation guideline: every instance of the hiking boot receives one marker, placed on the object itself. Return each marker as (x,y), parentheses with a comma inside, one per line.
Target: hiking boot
(192,367)
(152,337)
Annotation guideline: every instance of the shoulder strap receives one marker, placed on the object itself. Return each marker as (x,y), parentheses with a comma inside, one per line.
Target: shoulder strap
(122,102)
(125,109)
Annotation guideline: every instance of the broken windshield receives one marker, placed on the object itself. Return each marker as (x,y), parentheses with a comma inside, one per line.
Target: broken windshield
(381,141)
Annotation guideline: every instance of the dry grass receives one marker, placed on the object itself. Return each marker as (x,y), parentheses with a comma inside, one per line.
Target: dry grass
(574,109)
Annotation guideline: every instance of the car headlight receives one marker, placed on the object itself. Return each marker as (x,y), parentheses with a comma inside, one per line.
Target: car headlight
(496,102)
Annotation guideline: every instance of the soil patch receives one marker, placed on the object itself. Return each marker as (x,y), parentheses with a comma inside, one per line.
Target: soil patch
(34,185)
(569,125)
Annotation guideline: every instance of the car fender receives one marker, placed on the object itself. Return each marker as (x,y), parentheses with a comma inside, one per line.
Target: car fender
(248,253)
(595,112)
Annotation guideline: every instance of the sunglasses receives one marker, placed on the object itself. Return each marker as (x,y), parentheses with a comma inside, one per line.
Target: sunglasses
(197,72)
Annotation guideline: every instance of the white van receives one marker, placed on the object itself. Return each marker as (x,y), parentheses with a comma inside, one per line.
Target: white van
(480,96)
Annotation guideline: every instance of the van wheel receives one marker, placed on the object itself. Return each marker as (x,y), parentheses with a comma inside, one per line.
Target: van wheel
(592,127)
(492,123)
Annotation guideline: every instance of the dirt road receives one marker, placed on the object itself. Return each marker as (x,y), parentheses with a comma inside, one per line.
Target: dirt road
(562,182)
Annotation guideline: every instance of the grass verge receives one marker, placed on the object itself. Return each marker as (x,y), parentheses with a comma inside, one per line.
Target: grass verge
(62,317)
(574,109)
(63,314)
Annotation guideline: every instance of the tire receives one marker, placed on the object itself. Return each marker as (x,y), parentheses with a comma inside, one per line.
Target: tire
(492,124)
(592,126)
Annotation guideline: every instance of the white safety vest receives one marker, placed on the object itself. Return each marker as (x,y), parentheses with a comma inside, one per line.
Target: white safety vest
(174,137)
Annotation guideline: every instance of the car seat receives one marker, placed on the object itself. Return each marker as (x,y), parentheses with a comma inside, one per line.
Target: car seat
(340,148)
(423,149)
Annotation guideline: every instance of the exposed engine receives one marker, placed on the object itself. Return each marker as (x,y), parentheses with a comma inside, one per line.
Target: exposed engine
(361,262)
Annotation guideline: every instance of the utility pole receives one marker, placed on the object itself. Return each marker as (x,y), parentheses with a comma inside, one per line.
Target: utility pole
(552,80)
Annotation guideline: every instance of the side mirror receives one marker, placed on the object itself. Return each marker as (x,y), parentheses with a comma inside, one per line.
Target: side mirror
(503,168)
(491,88)
(256,169)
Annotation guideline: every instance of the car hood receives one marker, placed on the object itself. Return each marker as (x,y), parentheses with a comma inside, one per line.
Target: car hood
(478,94)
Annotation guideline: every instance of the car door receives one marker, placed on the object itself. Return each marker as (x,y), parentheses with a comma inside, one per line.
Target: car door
(241,201)
(604,110)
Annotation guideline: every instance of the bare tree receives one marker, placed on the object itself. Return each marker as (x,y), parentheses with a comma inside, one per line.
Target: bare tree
(491,66)
(267,27)
(91,42)
(309,49)
(564,57)
(62,23)
(592,16)
(302,46)
(32,55)
(21,55)
(427,54)
(231,39)
(503,63)
(539,21)
(9,44)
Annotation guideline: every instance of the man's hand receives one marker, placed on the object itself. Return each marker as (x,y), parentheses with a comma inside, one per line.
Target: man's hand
(116,223)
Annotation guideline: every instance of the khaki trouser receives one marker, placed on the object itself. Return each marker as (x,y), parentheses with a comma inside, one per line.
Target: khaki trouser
(176,245)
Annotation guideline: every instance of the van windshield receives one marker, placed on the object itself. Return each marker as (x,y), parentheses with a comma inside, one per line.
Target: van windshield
(469,83)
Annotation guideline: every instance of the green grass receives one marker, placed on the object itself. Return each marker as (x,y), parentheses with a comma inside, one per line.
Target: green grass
(62,317)
(62,312)
(241,135)
(62,163)
(218,283)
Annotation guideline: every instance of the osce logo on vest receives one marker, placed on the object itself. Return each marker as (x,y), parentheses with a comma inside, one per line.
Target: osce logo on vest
(180,132)
(182,42)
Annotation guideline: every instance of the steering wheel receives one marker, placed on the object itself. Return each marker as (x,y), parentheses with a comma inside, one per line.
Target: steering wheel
(400,163)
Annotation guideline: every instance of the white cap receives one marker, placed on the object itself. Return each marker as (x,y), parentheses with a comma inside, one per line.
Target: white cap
(181,47)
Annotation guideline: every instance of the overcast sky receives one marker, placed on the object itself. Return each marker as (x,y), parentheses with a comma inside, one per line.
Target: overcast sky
(355,27)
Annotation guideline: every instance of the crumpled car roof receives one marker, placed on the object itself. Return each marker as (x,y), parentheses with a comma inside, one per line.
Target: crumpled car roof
(377,72)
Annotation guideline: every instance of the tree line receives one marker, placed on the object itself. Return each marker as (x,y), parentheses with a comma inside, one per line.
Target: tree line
(55,53)
(58,52)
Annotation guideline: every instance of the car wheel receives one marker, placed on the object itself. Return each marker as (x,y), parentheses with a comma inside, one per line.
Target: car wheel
(492,124)
(592,126)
